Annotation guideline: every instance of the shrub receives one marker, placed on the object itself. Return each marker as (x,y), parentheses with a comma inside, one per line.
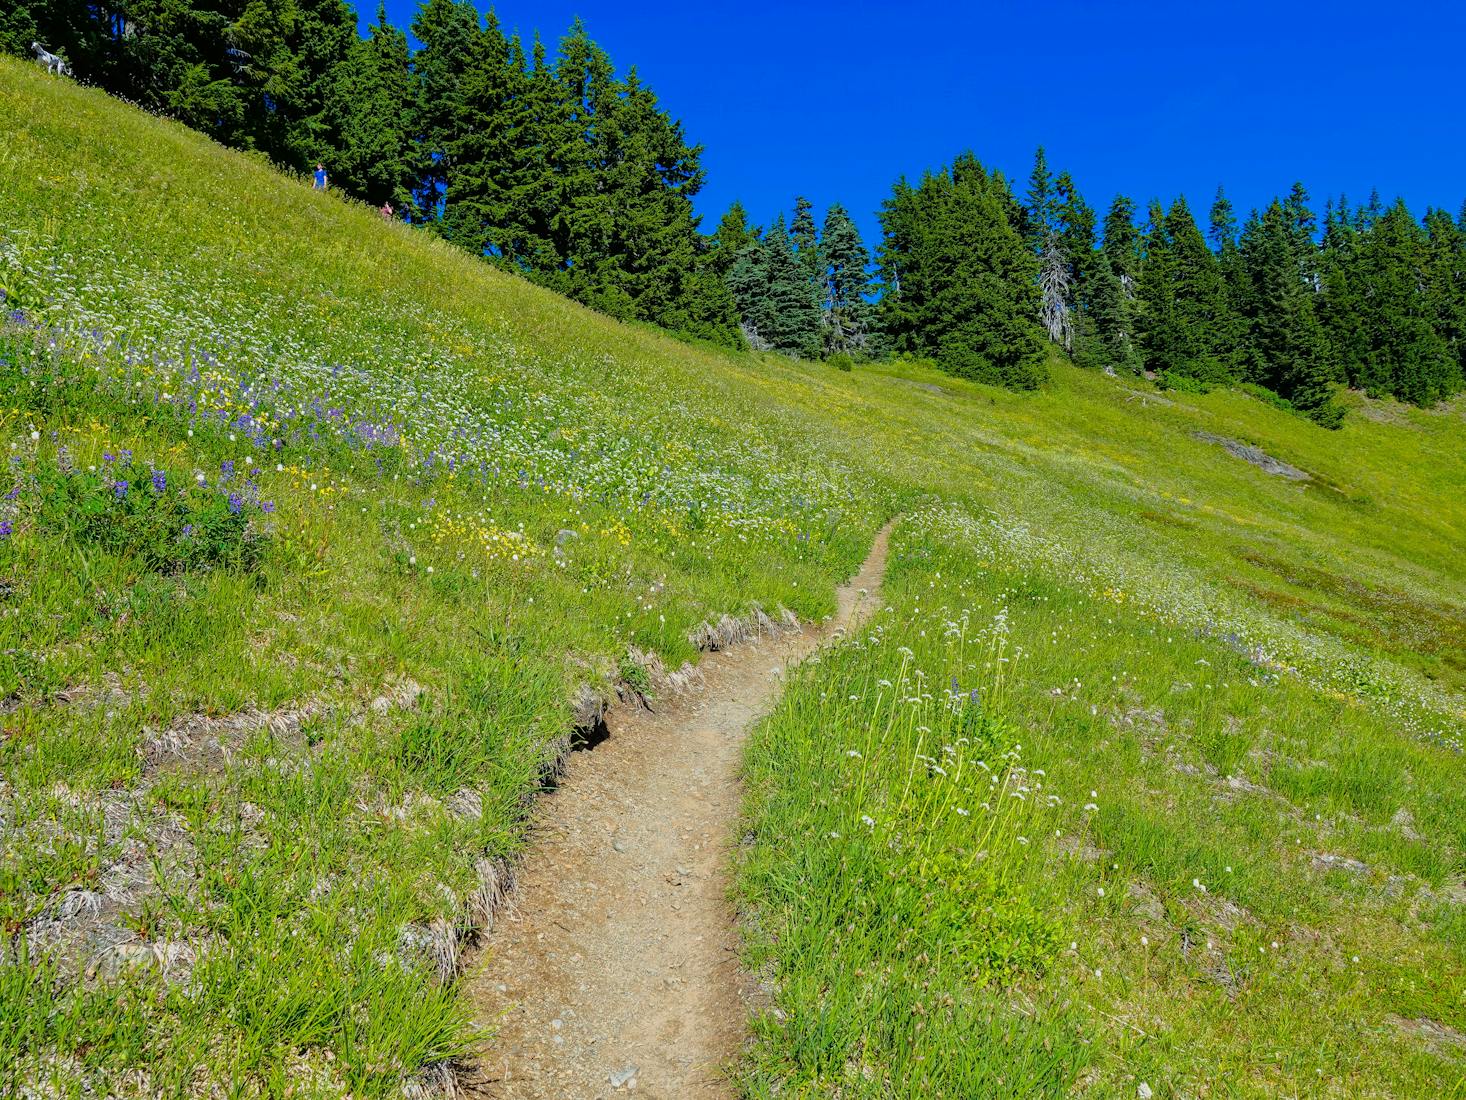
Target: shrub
(171,522)
(841,361)
(1181,383)
(1268,397)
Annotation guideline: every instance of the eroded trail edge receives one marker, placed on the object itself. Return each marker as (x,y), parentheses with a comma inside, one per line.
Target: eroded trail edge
(615,965)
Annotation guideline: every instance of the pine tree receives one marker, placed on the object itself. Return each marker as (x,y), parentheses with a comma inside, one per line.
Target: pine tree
(1340,302)
(847,284)
(449,31)
(1206,325)
(1112,344)
(1407,356)
(1156,324)
(778,301)
(960,281)
(1076,238)
(1040,215)
(1289,351)
(371,105)
(748,280)
(1445,291)
(805,238)
(473,150)
(1055,272)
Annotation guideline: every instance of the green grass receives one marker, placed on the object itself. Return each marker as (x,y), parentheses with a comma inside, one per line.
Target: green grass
(255,802)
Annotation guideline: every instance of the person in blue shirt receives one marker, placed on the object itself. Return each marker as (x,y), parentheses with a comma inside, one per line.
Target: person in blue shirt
(320,178)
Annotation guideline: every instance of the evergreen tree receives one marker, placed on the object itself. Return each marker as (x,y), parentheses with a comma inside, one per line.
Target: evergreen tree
(1075,230)
(1407,355)
(805,238)
(371,105)
(847,284)
(1045,238)
(1122,244)
(779,305)
(1340,301)
(1040,215)
(960,281)
(733,235)
(1109,316)
(1156,325)
(1445,290)
(451,52)
(1288,349)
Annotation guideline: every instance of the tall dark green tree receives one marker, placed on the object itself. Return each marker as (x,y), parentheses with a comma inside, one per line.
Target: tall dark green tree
(847,284)
(779,305)
(1407,355)
(1112,338)
(371,105)
(450,53)
(1287,347)
(804,236)
(960,281)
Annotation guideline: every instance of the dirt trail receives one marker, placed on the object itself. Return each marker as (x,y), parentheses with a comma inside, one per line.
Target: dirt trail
(619,952)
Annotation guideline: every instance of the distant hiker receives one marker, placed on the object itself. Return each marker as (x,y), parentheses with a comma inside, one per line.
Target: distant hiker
(387,211)
(319,182)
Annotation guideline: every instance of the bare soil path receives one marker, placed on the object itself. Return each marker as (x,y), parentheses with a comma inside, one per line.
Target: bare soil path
(616,967)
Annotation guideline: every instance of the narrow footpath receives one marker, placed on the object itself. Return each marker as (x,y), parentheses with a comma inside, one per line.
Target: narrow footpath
(614,969)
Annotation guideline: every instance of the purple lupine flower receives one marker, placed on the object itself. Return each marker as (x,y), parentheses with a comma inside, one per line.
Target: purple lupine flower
(5,528)
(188,530)
(160,481)
(119,489)
(108,456)
(236,504)
(267,506)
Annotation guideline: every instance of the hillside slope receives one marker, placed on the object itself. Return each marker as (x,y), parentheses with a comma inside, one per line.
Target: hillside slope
(268,736)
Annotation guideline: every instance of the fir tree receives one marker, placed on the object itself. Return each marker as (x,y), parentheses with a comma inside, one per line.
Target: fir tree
(846,286)
(779,303)
(804,237)
(371,105)
(960,281)
(1285,340)
(451,51)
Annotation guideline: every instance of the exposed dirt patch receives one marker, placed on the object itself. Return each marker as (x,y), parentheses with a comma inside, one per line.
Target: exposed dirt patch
(1435,1035)
(616,965)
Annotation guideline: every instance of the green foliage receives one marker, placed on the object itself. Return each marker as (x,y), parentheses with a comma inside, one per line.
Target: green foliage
(848,315)
(777,297)
(960,284)
(168,521)
(1182,383)
(371,108)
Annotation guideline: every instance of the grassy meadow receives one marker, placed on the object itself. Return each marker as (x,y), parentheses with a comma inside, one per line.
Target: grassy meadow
(315,532)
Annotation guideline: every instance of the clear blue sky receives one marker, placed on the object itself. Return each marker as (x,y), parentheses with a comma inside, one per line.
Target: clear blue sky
(835,100)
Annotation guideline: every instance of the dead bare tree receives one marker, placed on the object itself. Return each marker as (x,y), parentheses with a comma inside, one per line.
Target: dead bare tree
(1056,287)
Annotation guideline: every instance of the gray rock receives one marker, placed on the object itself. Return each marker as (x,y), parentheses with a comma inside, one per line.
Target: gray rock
(1328,862)
(1255,455)
(620,844)
(623,1077)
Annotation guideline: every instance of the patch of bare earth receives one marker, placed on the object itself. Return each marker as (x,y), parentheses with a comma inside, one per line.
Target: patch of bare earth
(615,967)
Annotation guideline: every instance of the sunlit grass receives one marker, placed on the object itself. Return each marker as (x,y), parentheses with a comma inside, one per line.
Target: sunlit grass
(253,807)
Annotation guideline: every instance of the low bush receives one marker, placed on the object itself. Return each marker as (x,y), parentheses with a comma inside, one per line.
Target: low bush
(172,522)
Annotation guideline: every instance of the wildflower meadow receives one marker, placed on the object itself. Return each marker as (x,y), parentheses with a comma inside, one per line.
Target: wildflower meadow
(316,536)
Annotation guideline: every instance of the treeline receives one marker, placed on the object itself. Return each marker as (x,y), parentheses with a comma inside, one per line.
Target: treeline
(552,166)
(1372,299)
(560,169)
